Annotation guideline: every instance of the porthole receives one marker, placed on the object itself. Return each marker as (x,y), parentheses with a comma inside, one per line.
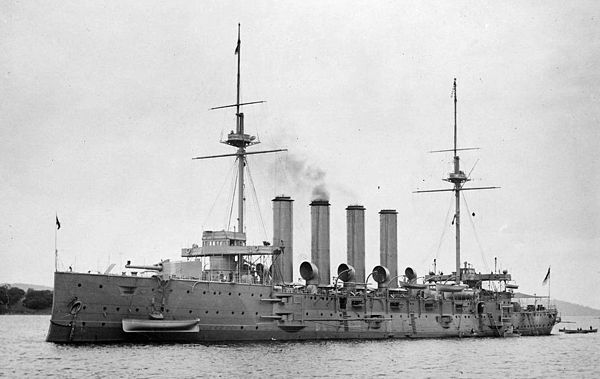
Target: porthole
(78,284)
(100,286)
(190,311)
(137,309)
(242,312)
(241,327)
(103,308)
(206,312)
(103,323)
(188,291)
(204,292)
(118,309)
(232,312)
(217,312)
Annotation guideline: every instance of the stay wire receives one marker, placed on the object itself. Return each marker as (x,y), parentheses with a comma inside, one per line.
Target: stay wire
(233,196)
(437,253)
(217,197)
(481,252)
(256,200)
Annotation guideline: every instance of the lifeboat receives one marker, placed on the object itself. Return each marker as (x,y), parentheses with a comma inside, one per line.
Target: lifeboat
(170,326)
(511,286)
(450,288)
(413,286)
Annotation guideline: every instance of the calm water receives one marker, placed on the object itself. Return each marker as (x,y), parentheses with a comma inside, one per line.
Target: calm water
(23,353)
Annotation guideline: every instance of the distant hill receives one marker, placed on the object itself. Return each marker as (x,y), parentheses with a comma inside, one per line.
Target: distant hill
(26,286)
(570,309)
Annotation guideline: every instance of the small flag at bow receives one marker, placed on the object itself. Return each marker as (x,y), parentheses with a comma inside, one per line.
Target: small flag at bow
(57,223)
(547,277)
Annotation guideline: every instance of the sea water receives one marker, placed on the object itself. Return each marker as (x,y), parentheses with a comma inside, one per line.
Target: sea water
(25,354)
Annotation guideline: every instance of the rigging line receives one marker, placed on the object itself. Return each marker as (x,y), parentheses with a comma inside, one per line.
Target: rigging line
(256,200)
(475,233)
(437,253)
(233,195)
(217,197)
(473,168)
(469,175)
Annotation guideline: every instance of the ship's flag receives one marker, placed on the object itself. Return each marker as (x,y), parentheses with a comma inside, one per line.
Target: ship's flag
(237,48)
(57,223)
(547,277)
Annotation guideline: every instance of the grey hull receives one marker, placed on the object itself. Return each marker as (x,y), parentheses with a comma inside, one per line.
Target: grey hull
(91,308)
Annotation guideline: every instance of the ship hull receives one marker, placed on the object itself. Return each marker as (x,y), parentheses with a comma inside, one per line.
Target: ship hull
(94,308)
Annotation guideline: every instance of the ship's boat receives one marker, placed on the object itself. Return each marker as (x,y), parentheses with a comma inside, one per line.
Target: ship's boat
(450,288)
(227,290)
(578,331)
(414,286)
(132,325)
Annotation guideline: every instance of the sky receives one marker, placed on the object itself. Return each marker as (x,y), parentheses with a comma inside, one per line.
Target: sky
(103,105)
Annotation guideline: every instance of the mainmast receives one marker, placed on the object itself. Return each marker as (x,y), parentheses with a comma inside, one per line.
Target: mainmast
(240,140)
(458,178)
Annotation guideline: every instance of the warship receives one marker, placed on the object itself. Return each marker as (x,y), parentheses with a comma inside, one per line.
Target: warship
(225,290)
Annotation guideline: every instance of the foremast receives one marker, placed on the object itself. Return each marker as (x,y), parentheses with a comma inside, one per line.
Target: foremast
(240,140)
(241,152)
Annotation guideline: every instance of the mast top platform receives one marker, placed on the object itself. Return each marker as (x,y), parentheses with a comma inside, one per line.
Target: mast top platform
(240,139)
(457,177)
